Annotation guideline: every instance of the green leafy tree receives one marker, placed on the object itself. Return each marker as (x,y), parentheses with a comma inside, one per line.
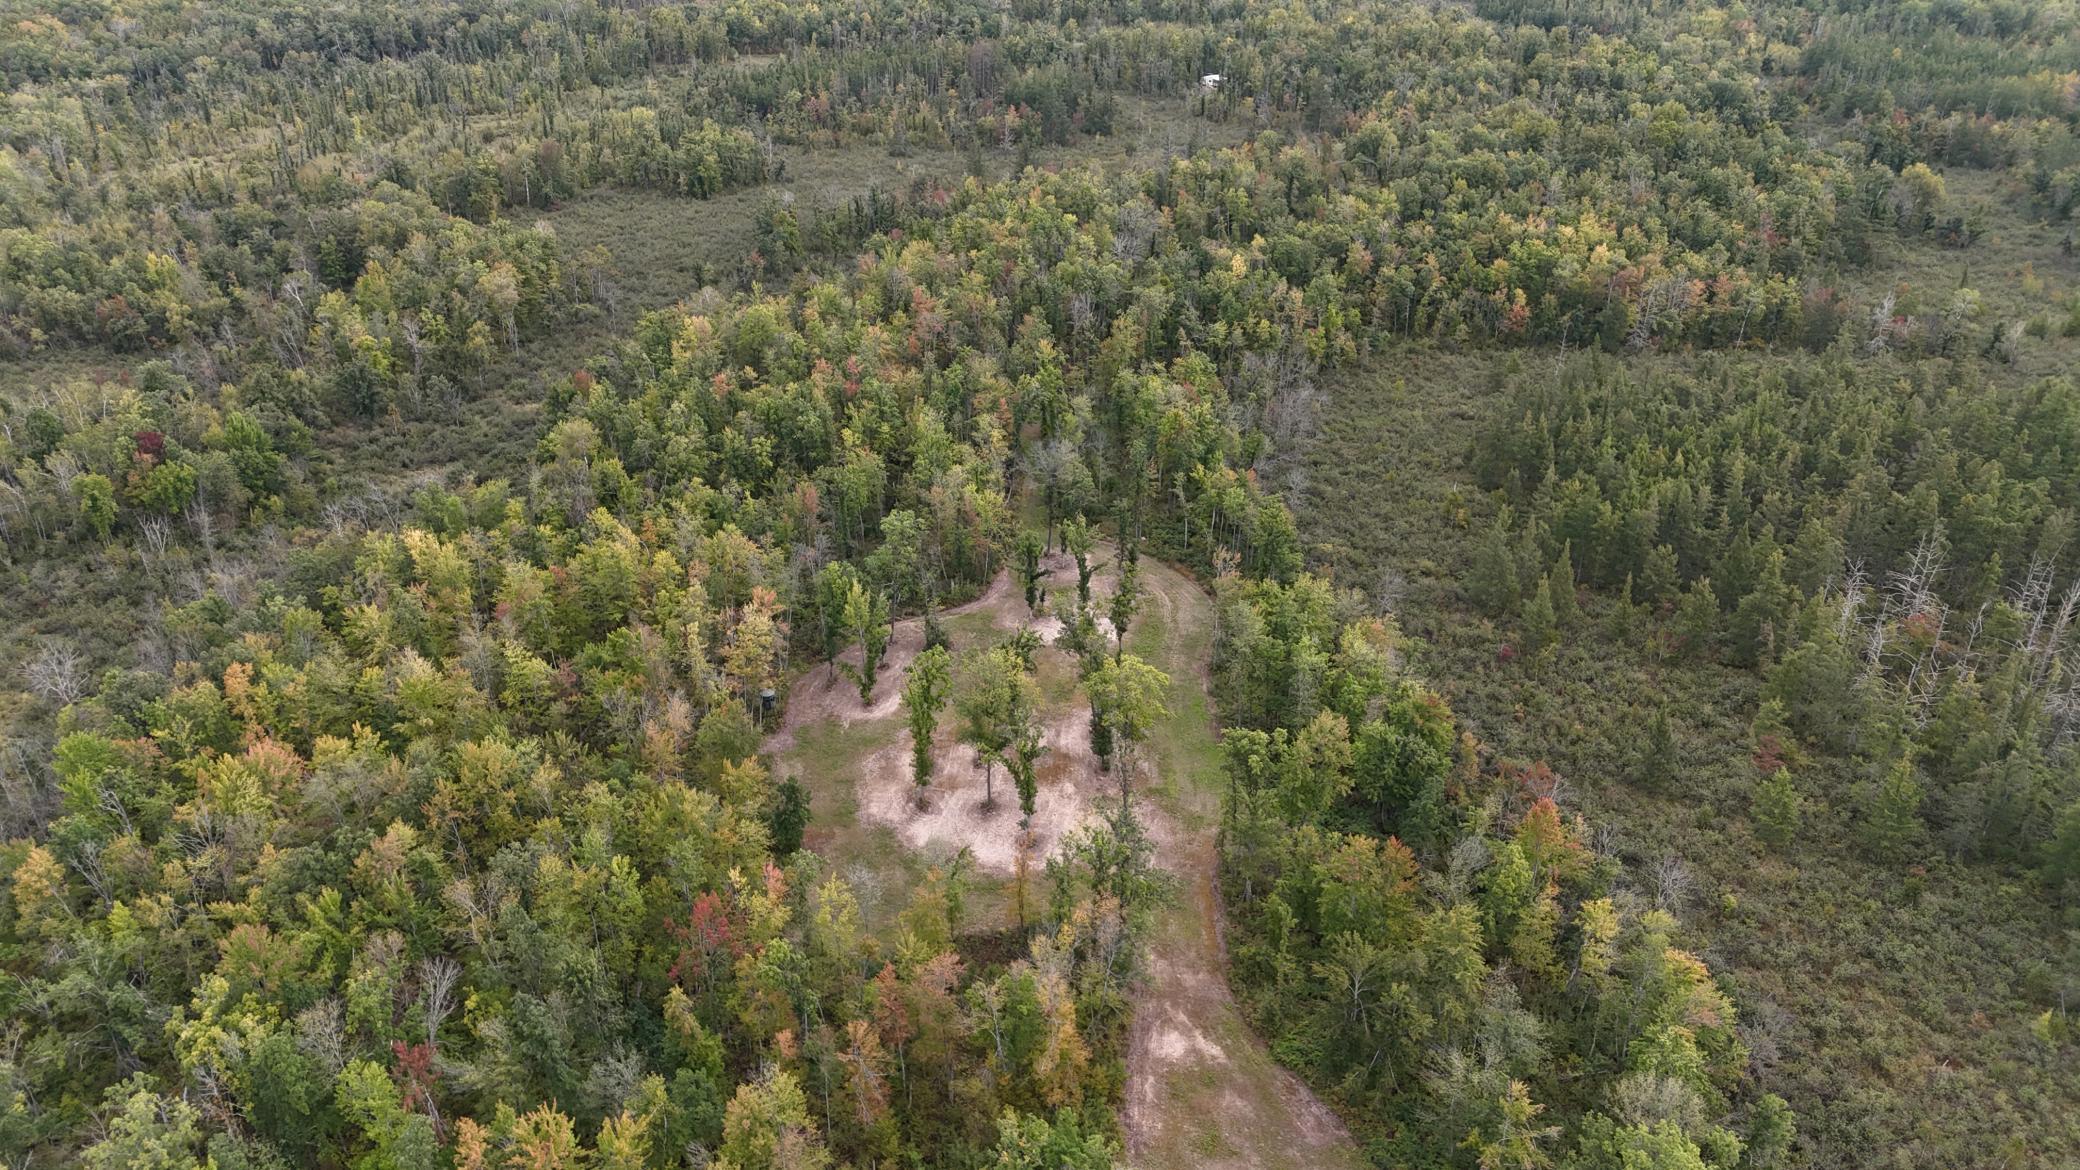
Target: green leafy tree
(397,1138)
(1026,1142)
(1514,1140)
(167,487)
(97,502)
(1080,540)
(866,618)
(146,1131)
(1607,1145)
(1023,763)
(832,591)
(767,1127)
(1030,550)
(925,691)
(1127,697)
(1125,601)
(994,698)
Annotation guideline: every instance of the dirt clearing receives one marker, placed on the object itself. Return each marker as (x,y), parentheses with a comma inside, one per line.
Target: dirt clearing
(1202,1090)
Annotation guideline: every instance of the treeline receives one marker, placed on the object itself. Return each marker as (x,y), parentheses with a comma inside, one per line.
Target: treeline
(1895,549)
(1429,939)
(1638,199)
(1672,477)
(148,456)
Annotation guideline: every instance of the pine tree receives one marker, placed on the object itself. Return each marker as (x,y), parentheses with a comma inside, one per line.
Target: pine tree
(1771,744)
(1892,817)
(1539,621)
(1697,620)
(2062,853)
(1776,809)
(1660,579)
(1815,557)
(1624,613)
(1565,608)
(1762,619)
(1658,758)
(1492,582)
(1769,1134)
(1531,554)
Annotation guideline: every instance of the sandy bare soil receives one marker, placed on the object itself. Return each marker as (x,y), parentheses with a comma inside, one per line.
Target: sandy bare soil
(827,694)
(951,812)
(1202,1090)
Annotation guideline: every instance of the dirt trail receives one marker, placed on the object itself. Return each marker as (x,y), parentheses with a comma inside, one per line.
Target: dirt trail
(1202,1090)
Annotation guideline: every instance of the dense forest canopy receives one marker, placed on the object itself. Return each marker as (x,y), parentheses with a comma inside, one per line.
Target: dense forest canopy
(417,576)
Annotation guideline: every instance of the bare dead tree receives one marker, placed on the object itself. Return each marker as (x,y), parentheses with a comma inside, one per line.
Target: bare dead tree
(439,976)
(2032,599)
(1914,587)
(25,805)
(1673,884)
(153,534)
(64,468)
(1882,329)
(2054,639)
(204,522)
(321,1034)
(1662,302)
(1854,589)
(58,673)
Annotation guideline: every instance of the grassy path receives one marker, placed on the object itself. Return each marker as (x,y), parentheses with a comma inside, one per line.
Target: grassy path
(1202,1090)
